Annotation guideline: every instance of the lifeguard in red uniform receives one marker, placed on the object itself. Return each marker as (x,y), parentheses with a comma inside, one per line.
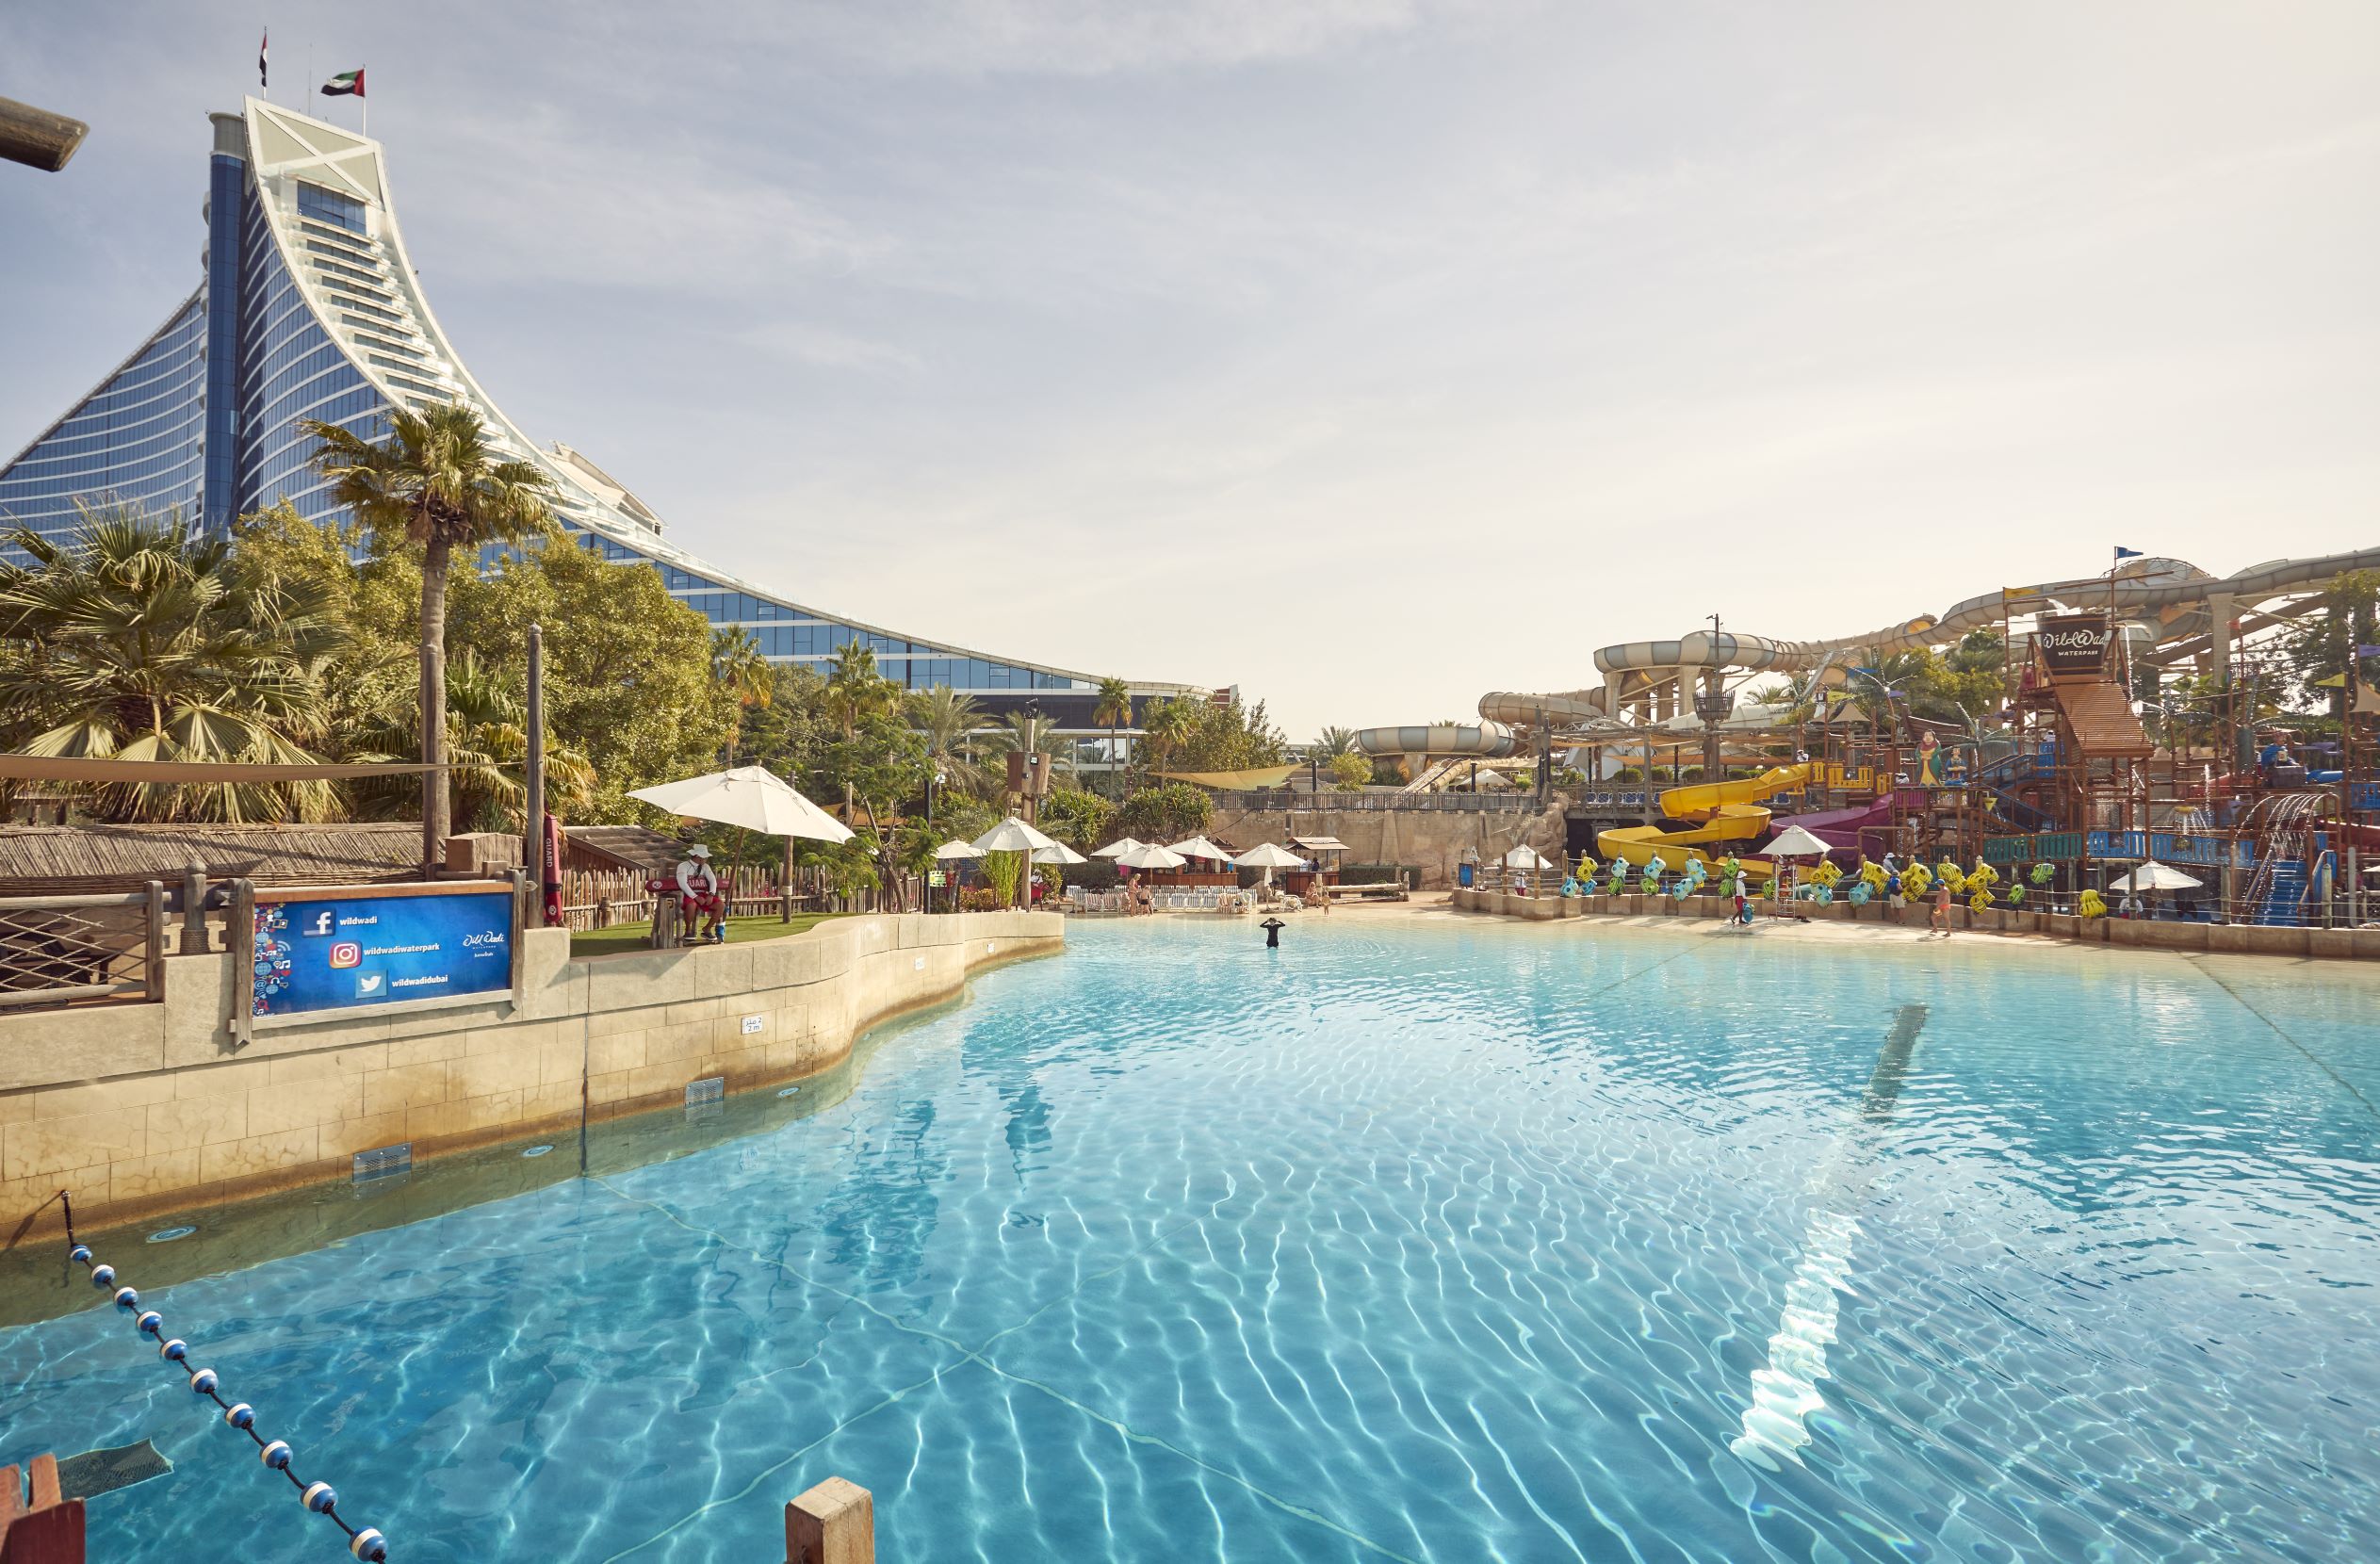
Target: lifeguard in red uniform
(698,893)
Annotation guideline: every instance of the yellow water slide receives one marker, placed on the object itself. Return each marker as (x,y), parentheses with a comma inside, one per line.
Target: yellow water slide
(1728,815)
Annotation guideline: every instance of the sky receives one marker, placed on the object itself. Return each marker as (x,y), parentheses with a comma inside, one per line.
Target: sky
(1366,354)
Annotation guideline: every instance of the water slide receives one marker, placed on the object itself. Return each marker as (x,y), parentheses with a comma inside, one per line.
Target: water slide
(1842,829)
(2165,597)
(1727,815)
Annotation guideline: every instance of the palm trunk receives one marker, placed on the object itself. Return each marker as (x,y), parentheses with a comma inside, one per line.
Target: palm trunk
(435,803)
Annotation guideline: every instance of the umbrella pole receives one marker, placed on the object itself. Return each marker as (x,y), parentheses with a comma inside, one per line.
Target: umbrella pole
(784,885)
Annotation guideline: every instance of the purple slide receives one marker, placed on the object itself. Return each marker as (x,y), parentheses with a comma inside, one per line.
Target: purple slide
(1840,828)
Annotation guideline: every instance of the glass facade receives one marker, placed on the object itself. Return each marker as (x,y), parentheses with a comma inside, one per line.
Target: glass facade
(204,419)
(138,438)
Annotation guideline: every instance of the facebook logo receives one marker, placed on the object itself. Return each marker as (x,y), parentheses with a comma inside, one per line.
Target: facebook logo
(318,922)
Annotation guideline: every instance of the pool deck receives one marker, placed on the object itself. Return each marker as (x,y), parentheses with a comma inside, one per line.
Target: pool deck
(1839,921)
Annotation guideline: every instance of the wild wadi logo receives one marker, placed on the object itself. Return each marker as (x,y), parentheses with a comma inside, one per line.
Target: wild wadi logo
(2073,645)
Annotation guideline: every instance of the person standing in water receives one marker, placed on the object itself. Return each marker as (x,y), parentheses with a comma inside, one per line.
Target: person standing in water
(1272,927)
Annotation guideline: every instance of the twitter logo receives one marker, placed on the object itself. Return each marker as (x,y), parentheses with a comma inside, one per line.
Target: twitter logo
(369,985)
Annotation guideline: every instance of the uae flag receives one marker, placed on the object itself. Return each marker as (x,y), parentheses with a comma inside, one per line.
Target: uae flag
(346,84)
(262,78)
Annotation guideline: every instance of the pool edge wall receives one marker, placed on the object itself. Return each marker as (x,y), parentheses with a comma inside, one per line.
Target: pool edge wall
(142,1108)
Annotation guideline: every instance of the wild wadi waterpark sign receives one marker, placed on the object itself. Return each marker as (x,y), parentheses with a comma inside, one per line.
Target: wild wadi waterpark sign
(366,947)
(2073,645)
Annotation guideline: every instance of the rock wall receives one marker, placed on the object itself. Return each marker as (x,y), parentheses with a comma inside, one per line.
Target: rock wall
(1433,838)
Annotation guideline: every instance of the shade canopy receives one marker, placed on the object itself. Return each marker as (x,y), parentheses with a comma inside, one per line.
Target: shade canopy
(1152,856)
(1199,847)
(2152,876)
(1525,856)
(1011,836)
(1059,852)
(753,797)
(954,850)
(1119,848)
(1795,842)
(1267,854)
(1320,844)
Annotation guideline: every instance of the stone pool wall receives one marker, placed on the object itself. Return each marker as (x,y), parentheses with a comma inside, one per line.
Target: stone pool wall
(138,1108)
(2146,934)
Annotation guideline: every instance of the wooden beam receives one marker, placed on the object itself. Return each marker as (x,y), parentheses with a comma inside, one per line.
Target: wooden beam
(37,137)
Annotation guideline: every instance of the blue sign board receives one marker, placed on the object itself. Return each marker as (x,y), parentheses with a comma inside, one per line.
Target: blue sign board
(354,947)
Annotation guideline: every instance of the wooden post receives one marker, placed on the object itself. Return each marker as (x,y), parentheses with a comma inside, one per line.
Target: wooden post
(154,976)
(534,827)
(243,941)
(194,911)
(833,1523)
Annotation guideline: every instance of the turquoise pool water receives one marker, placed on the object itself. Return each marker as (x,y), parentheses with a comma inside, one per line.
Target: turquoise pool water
(1422,1241)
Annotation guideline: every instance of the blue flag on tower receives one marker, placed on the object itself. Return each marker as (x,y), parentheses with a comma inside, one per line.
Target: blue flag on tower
(2127,553)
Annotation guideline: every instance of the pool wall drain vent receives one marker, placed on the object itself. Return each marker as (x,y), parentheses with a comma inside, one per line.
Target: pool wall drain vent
(705,1099)
(129,1462)
(385,1162)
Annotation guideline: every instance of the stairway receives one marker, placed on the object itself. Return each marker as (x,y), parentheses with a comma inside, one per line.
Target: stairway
(2284,892)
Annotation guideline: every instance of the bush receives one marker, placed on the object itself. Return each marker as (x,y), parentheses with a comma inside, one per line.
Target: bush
(980,899)
(1627,774)
(1350,772)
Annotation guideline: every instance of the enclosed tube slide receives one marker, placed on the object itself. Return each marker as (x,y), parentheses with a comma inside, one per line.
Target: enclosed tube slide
(1488,740)
(2151,585)
(1729,814)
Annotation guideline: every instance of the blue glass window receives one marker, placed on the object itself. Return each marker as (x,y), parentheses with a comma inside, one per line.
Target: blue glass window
(330,206)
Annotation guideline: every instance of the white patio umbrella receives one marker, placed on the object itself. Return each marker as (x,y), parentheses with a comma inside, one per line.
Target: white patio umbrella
(951,852)
(1059,852)
(1199,847)
(2153,875)
(1268,855)
(753,797)
(1525,856)
(1117,848)
(1152,856)
(1013,836)
(1795,842)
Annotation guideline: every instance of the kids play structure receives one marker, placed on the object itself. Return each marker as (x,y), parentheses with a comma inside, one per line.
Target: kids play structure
(2140,716)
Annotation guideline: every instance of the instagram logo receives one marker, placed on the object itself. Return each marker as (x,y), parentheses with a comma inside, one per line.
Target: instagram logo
(347,952)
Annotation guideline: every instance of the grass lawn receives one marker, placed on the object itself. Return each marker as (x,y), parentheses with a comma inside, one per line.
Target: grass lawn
(636,936)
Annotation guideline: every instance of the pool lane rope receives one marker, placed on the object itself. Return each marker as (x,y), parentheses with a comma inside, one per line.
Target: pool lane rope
(321,1498)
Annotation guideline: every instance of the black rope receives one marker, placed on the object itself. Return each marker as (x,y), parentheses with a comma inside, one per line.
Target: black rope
(78,1252)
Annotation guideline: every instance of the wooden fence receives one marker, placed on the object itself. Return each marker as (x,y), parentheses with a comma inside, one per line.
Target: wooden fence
(612,897)
(56,950)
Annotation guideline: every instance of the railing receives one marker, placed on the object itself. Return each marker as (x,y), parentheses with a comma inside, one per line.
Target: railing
(1485,804)
(58,949)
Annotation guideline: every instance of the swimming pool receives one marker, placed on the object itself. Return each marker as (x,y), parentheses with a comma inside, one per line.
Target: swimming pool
(1412,1239)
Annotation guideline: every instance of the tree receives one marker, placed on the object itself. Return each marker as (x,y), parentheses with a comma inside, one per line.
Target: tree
(2324,647)
(1165,814)
(628,677)
(438,483)
(1334,742)
(1114,708)
(736,666)
(1077,818)
(1350,772)
(855,693)
(134,640)
(1165,726)
(946,721)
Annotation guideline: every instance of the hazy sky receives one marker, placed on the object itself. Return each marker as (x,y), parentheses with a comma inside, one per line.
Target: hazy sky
(1368,354)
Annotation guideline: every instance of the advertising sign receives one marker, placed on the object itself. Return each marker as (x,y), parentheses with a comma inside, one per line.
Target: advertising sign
(369,945)
(2073,643)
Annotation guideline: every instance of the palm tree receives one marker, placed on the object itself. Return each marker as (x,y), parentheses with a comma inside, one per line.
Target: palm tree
(855,692)
(736,666)
(947,719)
(438,484)
(1334,742)
(1028,734)
(1114,708)
(1168,724)
(136,641)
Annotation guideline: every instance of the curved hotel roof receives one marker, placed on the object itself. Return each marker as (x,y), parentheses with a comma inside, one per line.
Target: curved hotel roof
(309,308)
